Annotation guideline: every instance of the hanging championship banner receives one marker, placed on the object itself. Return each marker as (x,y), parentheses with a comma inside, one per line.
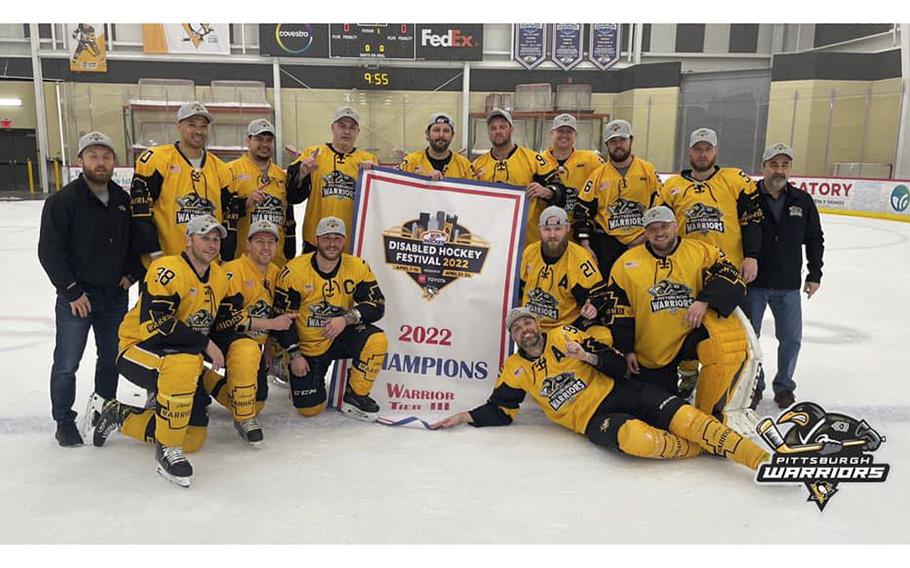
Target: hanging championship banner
(529,44)
(567,39)
(446,256)
(88,48)
(186,38)
(605,41)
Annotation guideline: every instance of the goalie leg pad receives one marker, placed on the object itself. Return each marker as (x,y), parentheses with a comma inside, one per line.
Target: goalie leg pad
(715,438)
(723,356)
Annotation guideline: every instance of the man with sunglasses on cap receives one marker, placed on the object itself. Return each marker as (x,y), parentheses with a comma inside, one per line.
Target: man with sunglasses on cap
(326,175)
(670,300)
(572,166)
(614,198)
(509,163)
(260,186)
(175,183)
(85,248)
(436,161)
(163,342)
(579,384)
(337,300)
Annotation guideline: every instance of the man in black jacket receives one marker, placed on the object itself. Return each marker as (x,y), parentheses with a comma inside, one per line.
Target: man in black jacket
(84,247)
(790,221)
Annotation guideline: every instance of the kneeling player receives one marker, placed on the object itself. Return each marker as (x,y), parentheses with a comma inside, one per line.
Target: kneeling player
(569,374)
(337,299)
(251,284)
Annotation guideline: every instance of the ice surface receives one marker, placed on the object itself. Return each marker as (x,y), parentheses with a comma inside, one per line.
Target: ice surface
(331,479)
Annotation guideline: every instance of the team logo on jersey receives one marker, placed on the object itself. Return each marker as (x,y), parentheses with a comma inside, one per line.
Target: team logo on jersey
(201,321)
(270,209)
(543,304)
(670,296)
(259,309)
(704,218)
(321,312)
(625,214)
(192,205)
(821,450)
(434,250)
(339,185)
(561,389)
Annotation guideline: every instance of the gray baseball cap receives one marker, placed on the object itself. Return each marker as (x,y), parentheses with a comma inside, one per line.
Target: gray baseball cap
(500,113)
(95,139)
(346,112)
(661,213)
(441,118)
(203,225)
(564,119)
(775,150)
(703,135)
(260,126)
(195,108)
(554,216)
(618,129)
(330,226)
(263,226)
(516,314)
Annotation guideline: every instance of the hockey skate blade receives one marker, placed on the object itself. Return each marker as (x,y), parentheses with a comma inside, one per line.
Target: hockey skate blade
(355,412)
(277,381)
(92,413)
(184,482)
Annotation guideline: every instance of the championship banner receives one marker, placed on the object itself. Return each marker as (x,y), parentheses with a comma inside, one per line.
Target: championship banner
(186,38)
(446,256)
(88,48)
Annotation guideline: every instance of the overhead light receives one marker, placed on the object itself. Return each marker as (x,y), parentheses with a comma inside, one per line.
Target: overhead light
(11,102)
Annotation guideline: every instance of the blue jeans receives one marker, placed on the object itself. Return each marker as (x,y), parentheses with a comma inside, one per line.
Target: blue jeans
(786,308)
(108,308)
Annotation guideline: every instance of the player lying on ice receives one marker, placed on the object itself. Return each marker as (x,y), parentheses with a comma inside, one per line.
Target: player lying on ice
(571,376)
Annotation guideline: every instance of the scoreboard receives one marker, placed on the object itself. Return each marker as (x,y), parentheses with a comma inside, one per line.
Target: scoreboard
(379,41)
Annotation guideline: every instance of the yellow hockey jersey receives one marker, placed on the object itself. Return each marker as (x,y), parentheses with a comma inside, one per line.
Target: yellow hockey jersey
(330,188)
(556,291)
(316,297)
(614,204)
(648,295)
(573,172)
(254,293)
(722,210)
(176,308)
(568,391)
(521,167)
(247,177)
(419,163)
(167,191)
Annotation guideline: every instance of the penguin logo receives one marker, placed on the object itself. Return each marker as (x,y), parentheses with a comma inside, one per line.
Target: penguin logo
(821,450)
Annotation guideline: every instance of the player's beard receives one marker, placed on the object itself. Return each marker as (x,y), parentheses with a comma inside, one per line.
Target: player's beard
(619,155)
(554,249)
(439,145)
(776,182)
(529,341)
(696,167)
(98,176)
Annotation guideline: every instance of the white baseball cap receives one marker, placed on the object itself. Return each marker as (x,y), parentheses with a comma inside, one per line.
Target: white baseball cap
(554,216)
(440,118)
(346,112)
(203,225)
(661,213)
(618,129)
(195,108)
(259,126)
(263,226)
(500,113)
(775,150)
(330,226)
(95,139)
(565,120)
(703,135)
(516,314)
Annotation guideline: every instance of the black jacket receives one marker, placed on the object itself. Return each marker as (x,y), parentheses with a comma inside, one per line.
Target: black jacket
(781,261)
(84,244)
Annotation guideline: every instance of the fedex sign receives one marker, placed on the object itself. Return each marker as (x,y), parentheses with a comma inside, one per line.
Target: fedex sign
(450,42)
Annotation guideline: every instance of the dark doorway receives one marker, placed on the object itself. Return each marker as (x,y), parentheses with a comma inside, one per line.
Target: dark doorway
(17,147)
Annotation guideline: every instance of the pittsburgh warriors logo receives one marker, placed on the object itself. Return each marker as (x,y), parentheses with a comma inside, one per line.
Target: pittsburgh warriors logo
(821,450)
(260,309)
(670,296)
(625,214)
(561,389)
(322,312)
(201,321)
(193,205)
(704,218)
(434,250)
(338,185)
(543,304)
(269,209)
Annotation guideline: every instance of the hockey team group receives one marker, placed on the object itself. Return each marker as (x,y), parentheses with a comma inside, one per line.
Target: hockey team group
(637,296)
